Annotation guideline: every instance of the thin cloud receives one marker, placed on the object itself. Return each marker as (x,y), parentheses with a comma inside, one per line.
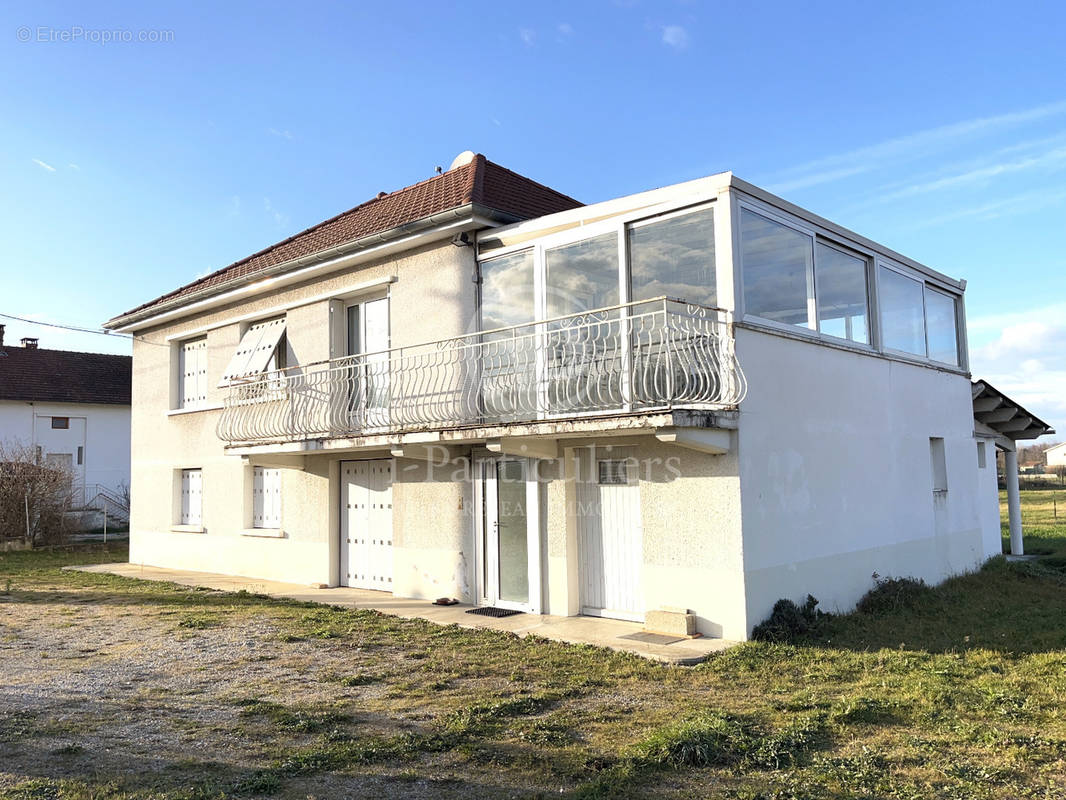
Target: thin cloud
(675,36)
(905,148)
(74,167)
(42,165)
(279,133)
(528,36)
(1024,203)
(1044,161)
(1027,360)
(565,29)
(277,216)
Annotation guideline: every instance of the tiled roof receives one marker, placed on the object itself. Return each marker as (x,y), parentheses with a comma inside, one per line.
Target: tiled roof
(480,182)
(63,376)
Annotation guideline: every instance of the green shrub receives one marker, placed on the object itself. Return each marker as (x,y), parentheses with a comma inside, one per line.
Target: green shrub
(894,594)
(789,621)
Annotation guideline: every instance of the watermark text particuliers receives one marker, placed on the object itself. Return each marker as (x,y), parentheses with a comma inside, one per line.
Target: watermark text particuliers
(46,34)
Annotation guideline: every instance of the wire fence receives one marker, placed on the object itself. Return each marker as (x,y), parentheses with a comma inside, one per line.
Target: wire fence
(1040,508)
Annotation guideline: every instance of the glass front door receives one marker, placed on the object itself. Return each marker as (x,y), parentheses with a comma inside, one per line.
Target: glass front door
(509,535)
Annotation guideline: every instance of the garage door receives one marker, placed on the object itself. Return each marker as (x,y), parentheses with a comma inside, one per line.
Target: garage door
(366,524)
(610,540)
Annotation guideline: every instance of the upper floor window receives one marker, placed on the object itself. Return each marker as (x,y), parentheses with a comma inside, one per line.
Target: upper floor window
(917,319)
(507,295)
(61,423)
(940,326)
(840,284)
(192,373)
(261,349)
(791,279)
(778,263)
(582,276)
(674,256)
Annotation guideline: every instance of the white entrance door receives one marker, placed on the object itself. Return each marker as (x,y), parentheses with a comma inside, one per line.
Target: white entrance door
(508,499)
(366,524)
(610,540)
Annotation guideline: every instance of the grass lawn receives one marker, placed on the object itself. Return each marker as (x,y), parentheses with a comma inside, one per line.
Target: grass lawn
(116,688)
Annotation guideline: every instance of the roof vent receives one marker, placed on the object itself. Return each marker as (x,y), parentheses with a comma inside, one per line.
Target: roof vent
(29,342)
(381,194)
(1,335)
(462,159)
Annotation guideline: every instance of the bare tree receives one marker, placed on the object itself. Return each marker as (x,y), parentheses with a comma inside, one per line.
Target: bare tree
(36,500)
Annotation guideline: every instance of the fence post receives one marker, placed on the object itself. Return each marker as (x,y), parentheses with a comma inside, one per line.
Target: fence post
(26,498)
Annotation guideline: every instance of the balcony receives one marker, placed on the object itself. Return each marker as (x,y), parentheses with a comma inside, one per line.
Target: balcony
(656,355)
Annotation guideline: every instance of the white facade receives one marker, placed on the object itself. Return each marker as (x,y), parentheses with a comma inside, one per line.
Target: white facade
(95,441)
(579,479)
(1056,456)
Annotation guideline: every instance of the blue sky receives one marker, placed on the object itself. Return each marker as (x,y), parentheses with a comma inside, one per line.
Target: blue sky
(130,168)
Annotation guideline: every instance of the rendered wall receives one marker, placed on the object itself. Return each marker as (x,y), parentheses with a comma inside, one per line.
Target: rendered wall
(106,440)
(436,278)
(836,476)
(988,488)
(690,520)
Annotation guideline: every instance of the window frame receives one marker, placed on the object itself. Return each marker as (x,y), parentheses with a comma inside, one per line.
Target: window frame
(664,216)
(185,517)
(260,521)
(866,260)
(816,237)
(927,286)
(619,225)
(875,259)
(64,423)
(180,402)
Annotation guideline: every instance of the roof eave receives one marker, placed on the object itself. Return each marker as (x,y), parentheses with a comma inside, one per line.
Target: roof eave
(474,213)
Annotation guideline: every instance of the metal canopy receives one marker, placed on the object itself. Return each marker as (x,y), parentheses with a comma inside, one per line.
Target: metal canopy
(994,410)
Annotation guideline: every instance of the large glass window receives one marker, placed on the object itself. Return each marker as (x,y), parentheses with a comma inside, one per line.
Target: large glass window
(583,275)
(507,291)
(902,317)
(940,324)
(840,279)
(777,262)
(674,257)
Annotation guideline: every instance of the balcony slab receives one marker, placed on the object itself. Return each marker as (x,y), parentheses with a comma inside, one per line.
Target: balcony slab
(631,424)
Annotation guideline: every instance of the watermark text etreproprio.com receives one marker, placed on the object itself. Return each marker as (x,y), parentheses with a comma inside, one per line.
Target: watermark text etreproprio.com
(76,33)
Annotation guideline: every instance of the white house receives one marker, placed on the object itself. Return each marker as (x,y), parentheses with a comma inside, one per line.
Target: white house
(1056,455)
(72,409)
(700,397)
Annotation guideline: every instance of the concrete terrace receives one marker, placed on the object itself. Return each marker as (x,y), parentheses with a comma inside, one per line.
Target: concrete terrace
(595,631)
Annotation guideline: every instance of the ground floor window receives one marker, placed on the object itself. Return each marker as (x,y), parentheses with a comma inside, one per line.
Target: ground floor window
(191,497)
(266,498)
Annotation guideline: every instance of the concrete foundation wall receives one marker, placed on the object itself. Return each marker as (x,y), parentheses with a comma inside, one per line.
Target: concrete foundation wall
(836,483)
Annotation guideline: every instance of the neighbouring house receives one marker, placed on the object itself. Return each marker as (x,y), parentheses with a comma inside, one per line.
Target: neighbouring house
(1055,456)
(698,398)
(72,410)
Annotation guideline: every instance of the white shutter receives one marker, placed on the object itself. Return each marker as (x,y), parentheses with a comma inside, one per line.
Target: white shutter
(254,350)
(192,372)
(266,498)
(191,497)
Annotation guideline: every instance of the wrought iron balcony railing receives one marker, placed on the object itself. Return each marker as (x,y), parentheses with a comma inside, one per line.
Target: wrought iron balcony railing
(656,354)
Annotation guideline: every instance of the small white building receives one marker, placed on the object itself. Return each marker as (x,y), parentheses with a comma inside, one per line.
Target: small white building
(72,410)
(1055,455)
(699,397)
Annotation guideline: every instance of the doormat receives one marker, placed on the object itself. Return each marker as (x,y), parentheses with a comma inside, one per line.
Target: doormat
(653,638)
(489,611)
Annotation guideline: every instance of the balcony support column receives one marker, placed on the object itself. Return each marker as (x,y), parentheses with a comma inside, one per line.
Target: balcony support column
(1014,505)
